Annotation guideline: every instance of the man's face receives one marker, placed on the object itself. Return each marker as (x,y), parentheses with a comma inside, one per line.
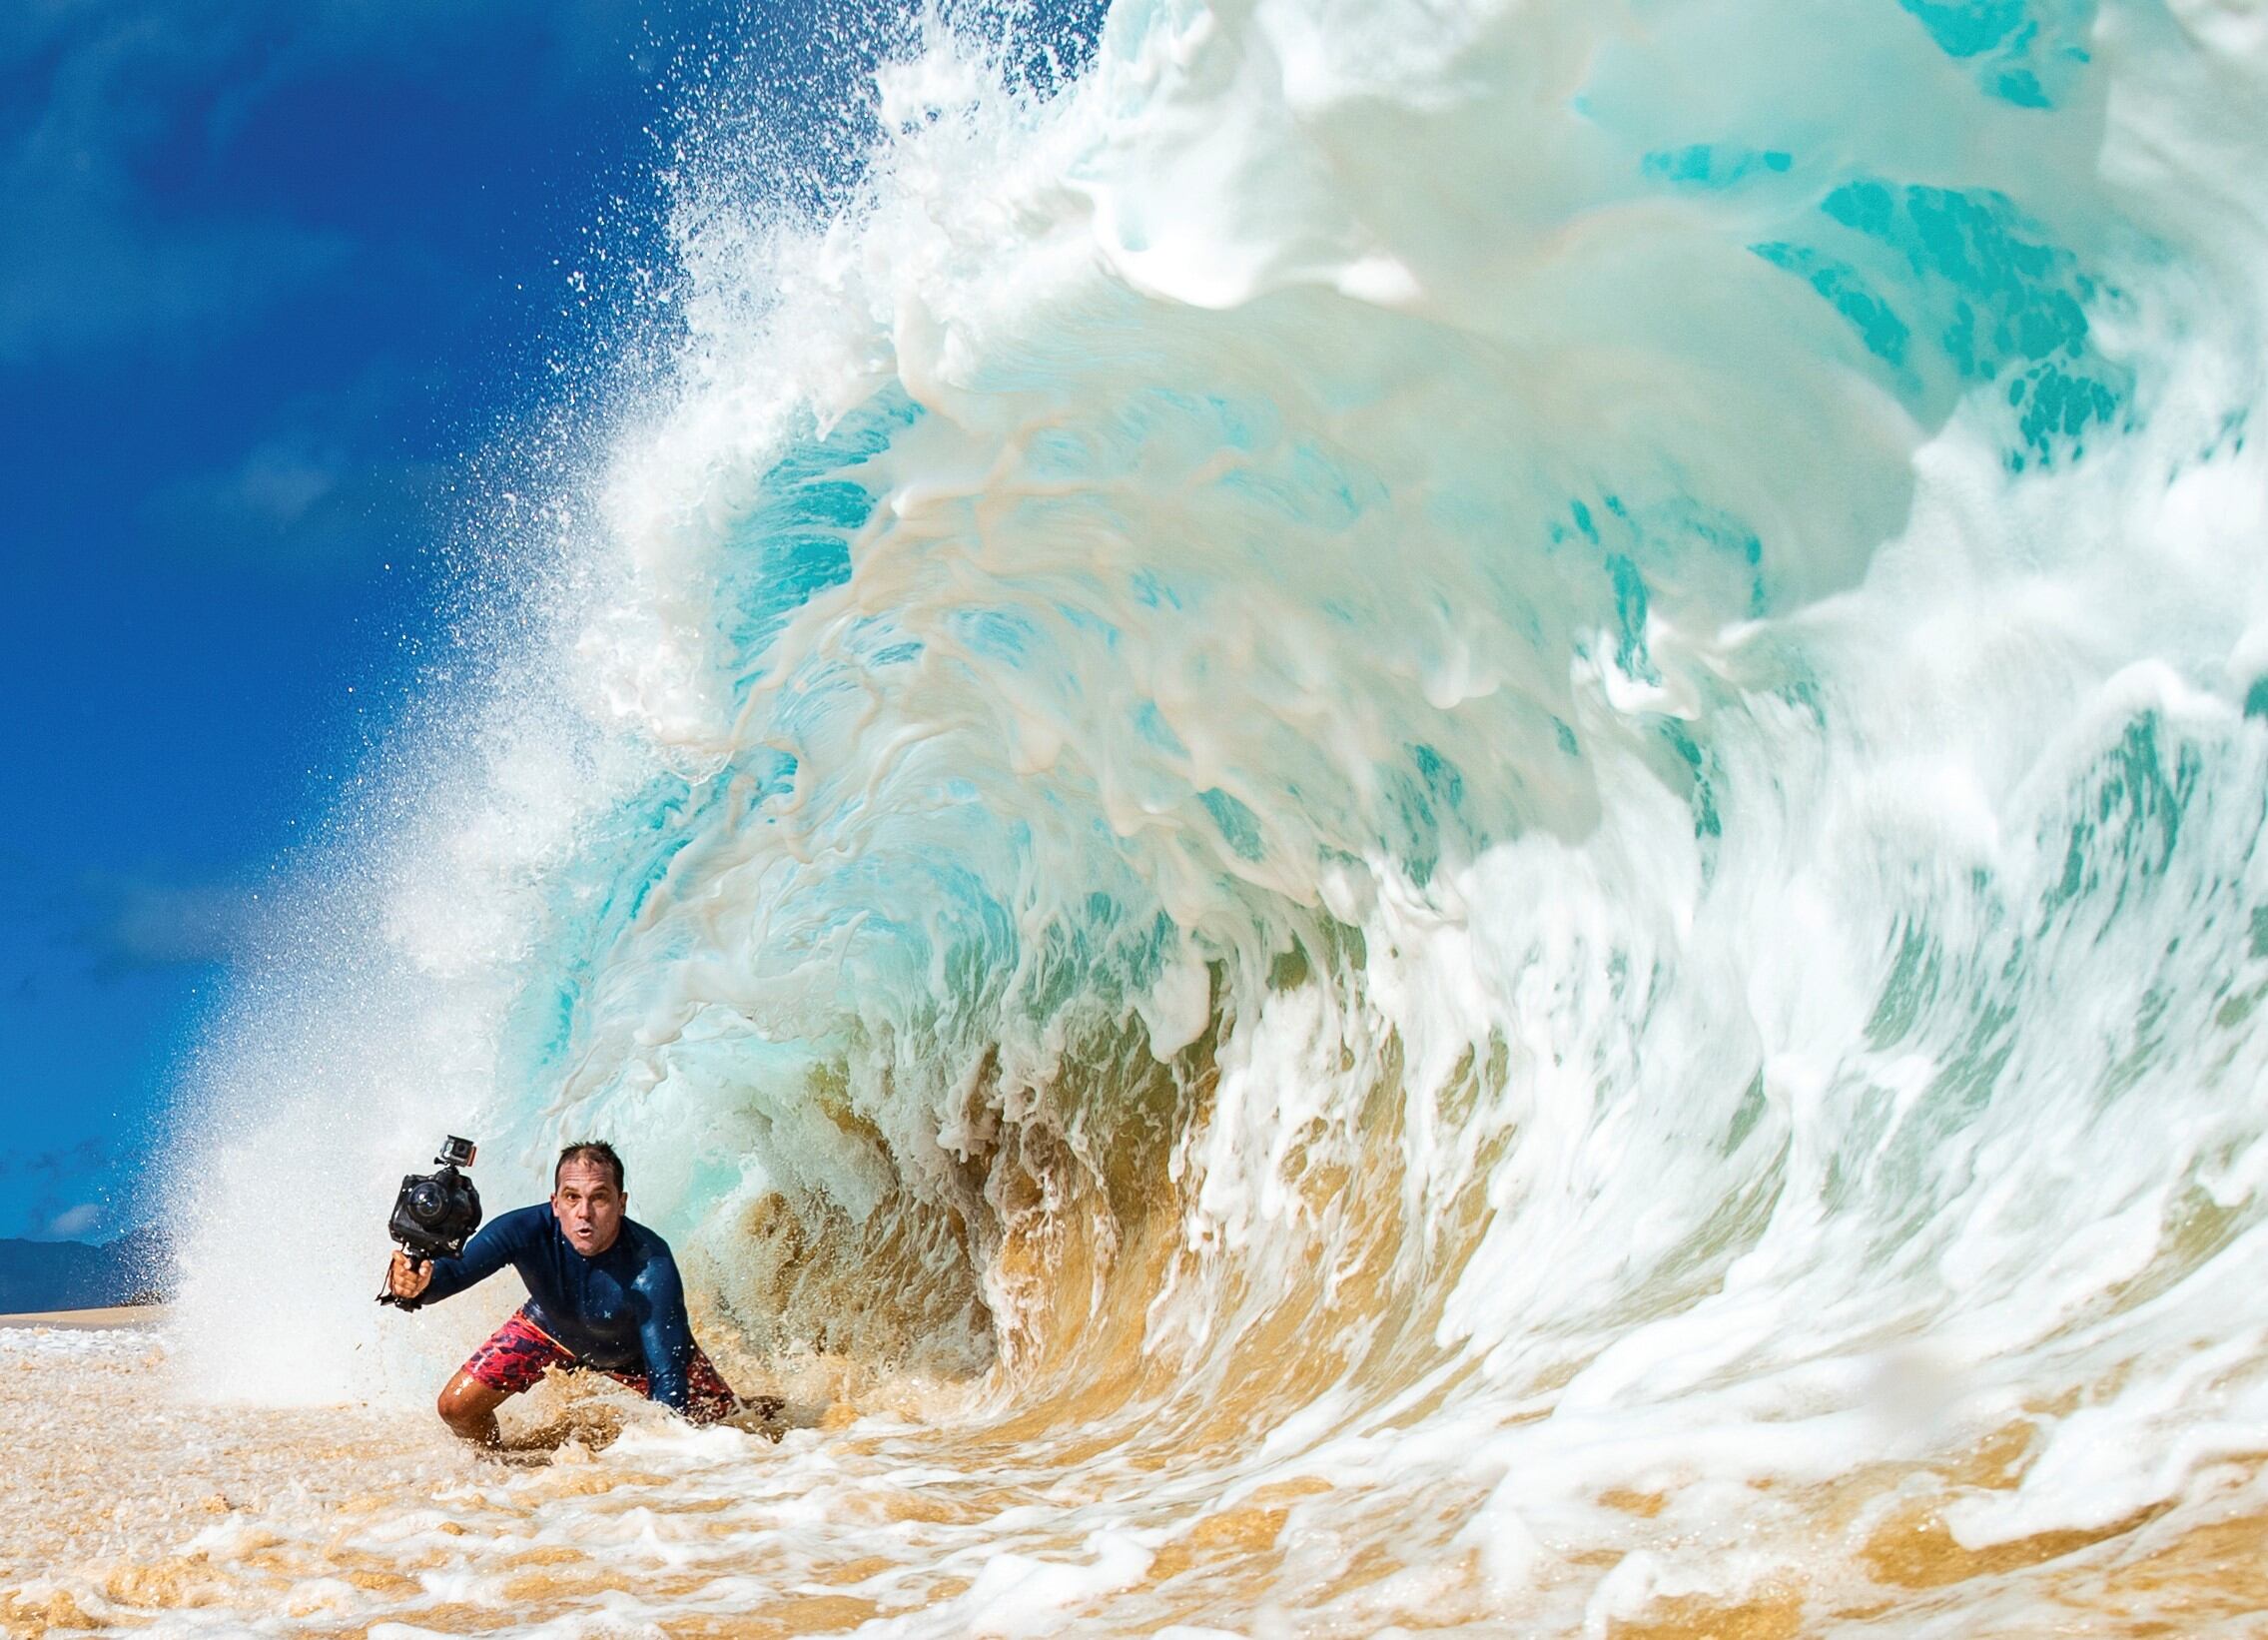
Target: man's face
(588,1207)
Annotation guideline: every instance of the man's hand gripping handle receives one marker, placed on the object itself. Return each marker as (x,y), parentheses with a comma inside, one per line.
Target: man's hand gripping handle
(405,1280)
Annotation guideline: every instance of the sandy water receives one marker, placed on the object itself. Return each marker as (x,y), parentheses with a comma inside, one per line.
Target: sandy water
(907,1507)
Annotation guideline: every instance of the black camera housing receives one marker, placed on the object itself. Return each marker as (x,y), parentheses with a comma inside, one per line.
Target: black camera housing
(436,1213)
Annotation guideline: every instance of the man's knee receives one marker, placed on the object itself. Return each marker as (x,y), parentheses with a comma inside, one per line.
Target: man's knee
(466,1404)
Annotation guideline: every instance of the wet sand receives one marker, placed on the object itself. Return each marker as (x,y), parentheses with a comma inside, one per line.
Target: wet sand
(929,1517)
(81,1320)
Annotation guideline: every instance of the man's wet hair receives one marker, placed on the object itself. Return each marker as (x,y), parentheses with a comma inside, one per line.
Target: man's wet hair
(595,1151)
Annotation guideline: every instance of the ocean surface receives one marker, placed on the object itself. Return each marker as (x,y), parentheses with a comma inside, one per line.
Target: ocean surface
(1369,816)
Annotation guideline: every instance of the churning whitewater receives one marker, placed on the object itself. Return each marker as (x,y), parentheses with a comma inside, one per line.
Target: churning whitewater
(1409,812)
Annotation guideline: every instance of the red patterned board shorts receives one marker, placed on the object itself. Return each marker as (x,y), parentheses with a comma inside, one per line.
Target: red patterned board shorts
(519,1352)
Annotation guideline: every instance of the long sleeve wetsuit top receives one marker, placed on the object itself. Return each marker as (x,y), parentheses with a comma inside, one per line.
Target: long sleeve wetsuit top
(620,1312)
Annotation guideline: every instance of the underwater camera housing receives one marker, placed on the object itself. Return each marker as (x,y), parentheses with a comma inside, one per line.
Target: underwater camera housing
(435,1213)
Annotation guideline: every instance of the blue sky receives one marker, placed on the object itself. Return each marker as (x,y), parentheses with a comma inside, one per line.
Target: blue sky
(273,278)
(269,273)
(274,275)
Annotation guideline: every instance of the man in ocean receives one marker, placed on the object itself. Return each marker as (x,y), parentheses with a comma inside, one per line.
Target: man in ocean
(602,1294)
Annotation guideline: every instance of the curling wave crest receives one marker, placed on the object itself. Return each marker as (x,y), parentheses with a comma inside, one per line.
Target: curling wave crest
(1495,769)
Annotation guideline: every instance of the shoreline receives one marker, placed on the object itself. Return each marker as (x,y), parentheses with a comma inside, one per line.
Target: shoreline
(89,1320)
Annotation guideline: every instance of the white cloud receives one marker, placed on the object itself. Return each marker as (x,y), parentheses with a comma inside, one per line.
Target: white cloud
(299,502)
(136,924)
(159,924)
(74,1223)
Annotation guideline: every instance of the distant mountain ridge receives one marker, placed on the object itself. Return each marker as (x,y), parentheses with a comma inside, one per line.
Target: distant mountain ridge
(34,1275)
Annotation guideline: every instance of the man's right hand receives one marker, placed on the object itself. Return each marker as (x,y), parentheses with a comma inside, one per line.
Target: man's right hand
(406,1279)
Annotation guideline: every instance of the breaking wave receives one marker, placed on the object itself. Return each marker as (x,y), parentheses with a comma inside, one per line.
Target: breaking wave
(1505,759)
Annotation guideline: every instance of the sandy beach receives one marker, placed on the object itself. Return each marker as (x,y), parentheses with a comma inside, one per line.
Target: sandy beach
(79,1321)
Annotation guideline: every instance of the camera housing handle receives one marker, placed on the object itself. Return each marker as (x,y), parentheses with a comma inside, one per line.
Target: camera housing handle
(433,1214)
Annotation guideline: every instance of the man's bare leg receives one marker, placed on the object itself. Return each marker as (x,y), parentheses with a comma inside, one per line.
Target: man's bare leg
(468,1407)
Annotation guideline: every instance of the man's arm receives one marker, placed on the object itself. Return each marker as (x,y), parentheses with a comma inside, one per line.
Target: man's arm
(483,1256)
(665,1335)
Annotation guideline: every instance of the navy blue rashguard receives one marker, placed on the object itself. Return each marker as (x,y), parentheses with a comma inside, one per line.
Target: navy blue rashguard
(622,1311)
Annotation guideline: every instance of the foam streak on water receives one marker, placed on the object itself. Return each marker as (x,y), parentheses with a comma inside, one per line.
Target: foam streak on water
(1423,813)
